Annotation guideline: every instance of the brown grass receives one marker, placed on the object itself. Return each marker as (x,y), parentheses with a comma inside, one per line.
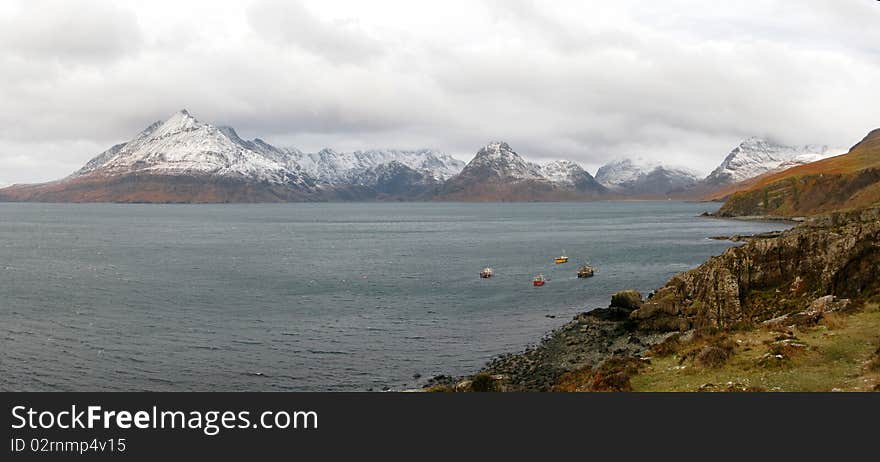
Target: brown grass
(613,374)
(667,347)
(708,350)
(874,364)
(833,321)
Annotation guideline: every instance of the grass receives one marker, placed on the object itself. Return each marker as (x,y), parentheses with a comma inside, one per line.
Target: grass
(613,374)
(839,354)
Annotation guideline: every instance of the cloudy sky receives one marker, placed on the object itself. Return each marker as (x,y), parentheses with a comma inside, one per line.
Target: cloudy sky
(676,81)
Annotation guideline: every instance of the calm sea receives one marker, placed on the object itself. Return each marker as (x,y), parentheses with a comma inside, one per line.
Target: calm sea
(352,296)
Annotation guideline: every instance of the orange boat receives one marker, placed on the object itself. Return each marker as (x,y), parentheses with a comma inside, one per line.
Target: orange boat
(539,280)
(561,259)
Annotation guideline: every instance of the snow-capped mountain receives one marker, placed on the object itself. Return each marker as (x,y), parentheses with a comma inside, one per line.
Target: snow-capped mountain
(398,179)
(184,146)
(807,158)
(496,161)
(757,156)
(628,177)
(353,168)
(566,173)
(497,172)
(185,160)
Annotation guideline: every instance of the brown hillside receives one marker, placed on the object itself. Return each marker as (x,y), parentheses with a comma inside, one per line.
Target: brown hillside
(848,181)
(149,188)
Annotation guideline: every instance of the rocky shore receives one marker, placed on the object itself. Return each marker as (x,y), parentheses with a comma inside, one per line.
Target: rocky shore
(802,275)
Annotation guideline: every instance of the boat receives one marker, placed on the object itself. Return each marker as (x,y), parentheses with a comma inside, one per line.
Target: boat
(561,259)
(586,271)
(487,273)
(539,280)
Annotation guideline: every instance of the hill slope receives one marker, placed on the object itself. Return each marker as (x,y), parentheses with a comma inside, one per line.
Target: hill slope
(843,182)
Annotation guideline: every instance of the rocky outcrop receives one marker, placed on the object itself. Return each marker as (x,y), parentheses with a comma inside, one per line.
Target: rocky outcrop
(835,255)
(627,299)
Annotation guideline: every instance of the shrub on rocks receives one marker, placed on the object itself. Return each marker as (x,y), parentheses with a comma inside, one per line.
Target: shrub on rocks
(627,299)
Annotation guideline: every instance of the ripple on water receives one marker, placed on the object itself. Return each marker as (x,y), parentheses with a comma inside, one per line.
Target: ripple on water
(313,296)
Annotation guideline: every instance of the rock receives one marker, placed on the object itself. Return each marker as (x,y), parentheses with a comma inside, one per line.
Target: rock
(828,304)
(464,385)
(767,278)
(627,299)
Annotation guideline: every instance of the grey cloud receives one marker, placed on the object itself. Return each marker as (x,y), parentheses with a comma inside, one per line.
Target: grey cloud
(588,81)
(290,23)
(84,32)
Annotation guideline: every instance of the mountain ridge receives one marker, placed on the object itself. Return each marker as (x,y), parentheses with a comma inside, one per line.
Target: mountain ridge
(184,152)
(498,173)
(630,178)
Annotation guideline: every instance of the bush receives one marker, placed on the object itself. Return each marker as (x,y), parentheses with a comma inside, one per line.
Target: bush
(482,382)
(710,349)
(669,346)
(713,356)
(612,375)
(874,365)
(627,299)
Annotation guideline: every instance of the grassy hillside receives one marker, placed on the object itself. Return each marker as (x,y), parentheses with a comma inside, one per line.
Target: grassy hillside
(848,181)
(839,353)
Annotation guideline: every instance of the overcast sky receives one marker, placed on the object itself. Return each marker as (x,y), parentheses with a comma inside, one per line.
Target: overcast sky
(675,81)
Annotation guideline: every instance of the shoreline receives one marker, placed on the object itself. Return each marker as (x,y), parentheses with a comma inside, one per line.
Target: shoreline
(599,350)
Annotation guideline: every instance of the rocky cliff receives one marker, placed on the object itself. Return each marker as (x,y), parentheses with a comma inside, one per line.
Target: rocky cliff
(837,254)
(809,274)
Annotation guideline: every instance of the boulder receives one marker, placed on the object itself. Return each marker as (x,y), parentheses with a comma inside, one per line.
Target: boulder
(828,304)
(627,299)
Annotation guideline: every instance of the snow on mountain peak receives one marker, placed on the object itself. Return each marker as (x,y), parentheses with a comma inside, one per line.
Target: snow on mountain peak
(497,159)
(339,168)
(755,156)
(644,177)
(562,171)
(182,145)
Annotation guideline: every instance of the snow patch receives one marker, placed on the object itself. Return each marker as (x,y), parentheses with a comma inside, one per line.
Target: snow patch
(756,156)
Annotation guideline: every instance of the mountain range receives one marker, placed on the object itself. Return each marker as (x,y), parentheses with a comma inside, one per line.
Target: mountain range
(183,159)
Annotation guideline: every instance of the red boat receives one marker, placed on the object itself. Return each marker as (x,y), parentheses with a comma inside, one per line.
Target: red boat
(539,280)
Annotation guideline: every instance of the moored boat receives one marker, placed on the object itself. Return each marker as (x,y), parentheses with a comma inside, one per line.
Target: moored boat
(586,271)
(561,259)
(487,273)
(539,280)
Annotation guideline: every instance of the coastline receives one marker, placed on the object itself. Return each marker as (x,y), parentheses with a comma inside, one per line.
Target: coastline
(601,349)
